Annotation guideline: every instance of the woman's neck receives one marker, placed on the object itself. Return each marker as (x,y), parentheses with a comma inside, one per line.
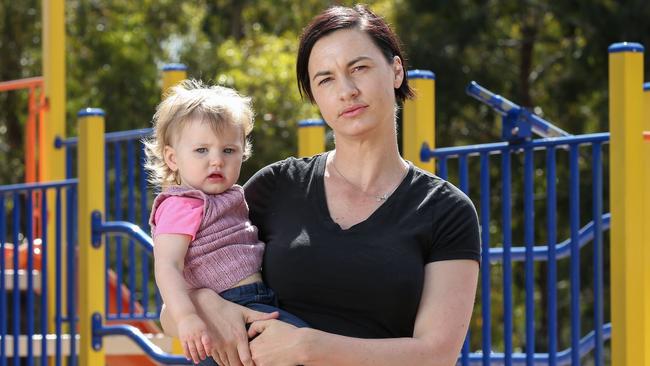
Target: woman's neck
(368,164)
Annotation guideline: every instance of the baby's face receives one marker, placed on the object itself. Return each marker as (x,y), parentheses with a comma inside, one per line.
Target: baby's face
(206,160)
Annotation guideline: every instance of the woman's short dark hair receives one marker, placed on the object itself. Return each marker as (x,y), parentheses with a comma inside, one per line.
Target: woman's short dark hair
(339,17)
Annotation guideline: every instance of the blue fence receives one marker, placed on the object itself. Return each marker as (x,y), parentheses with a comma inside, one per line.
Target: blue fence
(24,289)
(542,184)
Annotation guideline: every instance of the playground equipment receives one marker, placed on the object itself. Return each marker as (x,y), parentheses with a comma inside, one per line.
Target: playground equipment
(93,206)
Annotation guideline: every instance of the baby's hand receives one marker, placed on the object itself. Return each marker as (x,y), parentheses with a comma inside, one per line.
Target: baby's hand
(194,336)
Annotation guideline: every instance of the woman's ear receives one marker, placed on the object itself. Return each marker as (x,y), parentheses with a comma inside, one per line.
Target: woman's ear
(398,70)
(170,158)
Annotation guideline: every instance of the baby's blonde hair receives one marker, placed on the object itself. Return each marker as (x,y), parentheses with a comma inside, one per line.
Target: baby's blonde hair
(192,100)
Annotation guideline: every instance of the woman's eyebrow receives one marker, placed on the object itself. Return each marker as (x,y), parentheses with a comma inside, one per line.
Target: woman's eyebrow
(350,63)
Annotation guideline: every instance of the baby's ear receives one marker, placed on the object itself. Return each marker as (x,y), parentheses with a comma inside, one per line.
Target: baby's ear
(170,158)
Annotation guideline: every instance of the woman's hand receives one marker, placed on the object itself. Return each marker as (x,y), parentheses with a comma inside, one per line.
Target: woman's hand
(276,343)
(227,323)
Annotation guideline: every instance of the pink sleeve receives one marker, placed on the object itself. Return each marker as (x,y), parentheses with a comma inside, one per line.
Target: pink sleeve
(179,215)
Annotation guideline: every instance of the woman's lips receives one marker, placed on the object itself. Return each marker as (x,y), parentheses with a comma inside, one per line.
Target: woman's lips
(353,111)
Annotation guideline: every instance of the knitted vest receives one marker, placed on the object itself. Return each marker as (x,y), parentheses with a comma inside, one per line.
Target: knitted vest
(226,248)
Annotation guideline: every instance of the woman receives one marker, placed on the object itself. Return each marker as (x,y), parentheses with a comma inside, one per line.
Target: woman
(378,256)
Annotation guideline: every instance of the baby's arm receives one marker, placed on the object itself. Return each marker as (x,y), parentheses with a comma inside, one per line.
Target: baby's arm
(169,256)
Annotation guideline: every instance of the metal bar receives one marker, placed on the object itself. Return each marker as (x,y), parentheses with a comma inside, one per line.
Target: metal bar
(551,229)
(442,168)
(506,211)
(16,292)
(72,270)
(144,224)
(119,260)
(69,162)
(500,147)
(113,137)
(130,154)
(542,359)
(58,248)
(3,285)
(136,335)
(25,83)
(563,250)
(29,225)
(486,289)
(574,207)
(107,212)
(529,240)
(597,179)
(45,311)
(131,230)
(28,187)
(464,186)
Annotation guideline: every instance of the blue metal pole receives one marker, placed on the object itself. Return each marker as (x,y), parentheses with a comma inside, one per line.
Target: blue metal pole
(551,228)
(486,290)
(131,215)
(574,207)
(107,213)
(58,307)
(442,168)
(464,186)
(597,178)
(118,215)
(529,240)
(144,224)
(16,291)
(71,283)
(506,211)
(45,311)
(29,227)
(3,285)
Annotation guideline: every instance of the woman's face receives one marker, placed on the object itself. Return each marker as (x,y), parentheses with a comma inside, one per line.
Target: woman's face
(353,84)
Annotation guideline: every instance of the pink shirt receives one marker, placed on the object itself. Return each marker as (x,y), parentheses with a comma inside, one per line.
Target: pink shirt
(179,215)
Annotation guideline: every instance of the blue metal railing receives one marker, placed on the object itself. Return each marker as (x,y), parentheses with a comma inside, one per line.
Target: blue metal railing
(135,235)
(532,250)
(126,198)
(17,223)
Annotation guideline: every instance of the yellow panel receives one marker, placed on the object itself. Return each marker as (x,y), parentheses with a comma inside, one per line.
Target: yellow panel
(171,78)
(311,140)
(418,123)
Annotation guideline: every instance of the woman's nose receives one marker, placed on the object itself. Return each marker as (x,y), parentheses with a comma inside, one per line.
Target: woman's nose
(348,89)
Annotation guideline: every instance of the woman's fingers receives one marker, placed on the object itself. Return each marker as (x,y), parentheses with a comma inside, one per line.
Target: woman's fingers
(254,316)
(245,353)
(257,328)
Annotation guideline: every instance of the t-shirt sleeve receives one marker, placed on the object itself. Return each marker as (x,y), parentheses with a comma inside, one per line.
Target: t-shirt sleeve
(456,230)
(179,215)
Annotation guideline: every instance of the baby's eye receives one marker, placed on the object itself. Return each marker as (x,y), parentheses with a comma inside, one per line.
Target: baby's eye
(201,150)
(229,150)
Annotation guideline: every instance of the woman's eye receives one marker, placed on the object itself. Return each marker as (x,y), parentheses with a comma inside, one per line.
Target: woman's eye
(201,150)
(324,81)
(359,68)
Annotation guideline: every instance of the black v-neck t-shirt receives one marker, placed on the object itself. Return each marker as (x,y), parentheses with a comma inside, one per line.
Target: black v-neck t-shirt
(365,281)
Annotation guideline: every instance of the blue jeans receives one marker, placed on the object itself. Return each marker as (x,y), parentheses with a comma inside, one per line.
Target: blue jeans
(257,296)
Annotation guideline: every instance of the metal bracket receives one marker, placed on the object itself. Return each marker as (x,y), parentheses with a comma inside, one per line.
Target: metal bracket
(96,326)
(96,229)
